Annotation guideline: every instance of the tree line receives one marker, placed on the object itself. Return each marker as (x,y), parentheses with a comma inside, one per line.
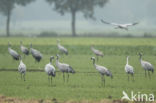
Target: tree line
(61,6)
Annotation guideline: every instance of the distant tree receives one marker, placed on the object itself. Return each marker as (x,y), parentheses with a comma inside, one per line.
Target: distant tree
(6,7)
(74,6)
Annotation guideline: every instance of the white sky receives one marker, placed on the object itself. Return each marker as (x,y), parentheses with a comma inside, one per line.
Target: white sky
(39,16)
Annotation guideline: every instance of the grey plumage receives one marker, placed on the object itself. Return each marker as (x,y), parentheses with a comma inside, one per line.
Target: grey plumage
(61,48)
(147,66)
(64,68)
(50,69)
(129,69)
(36,54)
(22,69)
(24,50)
(102,70)
(71,70)
(97,52)
(13,53)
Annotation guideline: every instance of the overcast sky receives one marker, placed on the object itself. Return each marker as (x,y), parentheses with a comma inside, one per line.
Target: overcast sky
(40,15)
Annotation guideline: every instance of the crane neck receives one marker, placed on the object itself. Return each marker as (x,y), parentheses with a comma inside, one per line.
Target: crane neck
(58,42)
(57,59)
(127,60)
(30,46)
(21,43)
(140,58)
(21,61)
(51,61)
(9,46)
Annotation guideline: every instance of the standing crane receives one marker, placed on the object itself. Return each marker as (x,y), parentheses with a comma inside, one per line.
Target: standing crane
(61,48)
(36,54)
(64,68)
(97,52)
(50,69)
(24,50)
(22,69)
(102,70)
(13,53)
(147,66)
(129,69)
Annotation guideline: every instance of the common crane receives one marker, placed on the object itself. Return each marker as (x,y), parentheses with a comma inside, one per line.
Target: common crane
(64,68)
(97,52)
(102,70)
(61,48)
(24,50)
(50,69)
(13,53)
(129,69)
(146,66)
(120,26)
(35,53)
(22,69)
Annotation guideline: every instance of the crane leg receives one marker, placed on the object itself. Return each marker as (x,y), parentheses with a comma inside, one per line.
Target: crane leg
(133,77)
(101,80)
(21,76)
(149,74)
(145,74)
(68,77)
(24,76)
(63,77)
(51,80)
(128,76)
(48,79)
(104,80)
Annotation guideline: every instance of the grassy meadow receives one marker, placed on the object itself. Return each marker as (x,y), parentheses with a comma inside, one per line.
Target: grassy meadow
(86,83)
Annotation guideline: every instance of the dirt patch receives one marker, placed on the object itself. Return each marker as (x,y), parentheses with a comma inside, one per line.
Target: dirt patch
(4,99)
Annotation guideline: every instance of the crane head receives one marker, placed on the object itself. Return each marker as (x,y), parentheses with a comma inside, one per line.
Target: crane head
(140,54)
(109,73)
(92,58)
(57,56)
(30,45)
(9,45)
(58,40)
(52,57)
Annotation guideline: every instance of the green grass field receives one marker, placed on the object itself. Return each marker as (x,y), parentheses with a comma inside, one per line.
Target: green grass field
(82,85)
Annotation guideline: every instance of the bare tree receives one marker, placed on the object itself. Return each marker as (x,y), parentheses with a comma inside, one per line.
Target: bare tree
(6,7)
(74,6)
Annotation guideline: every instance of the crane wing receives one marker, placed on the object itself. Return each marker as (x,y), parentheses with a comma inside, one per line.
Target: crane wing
(131,24)
(105,22)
